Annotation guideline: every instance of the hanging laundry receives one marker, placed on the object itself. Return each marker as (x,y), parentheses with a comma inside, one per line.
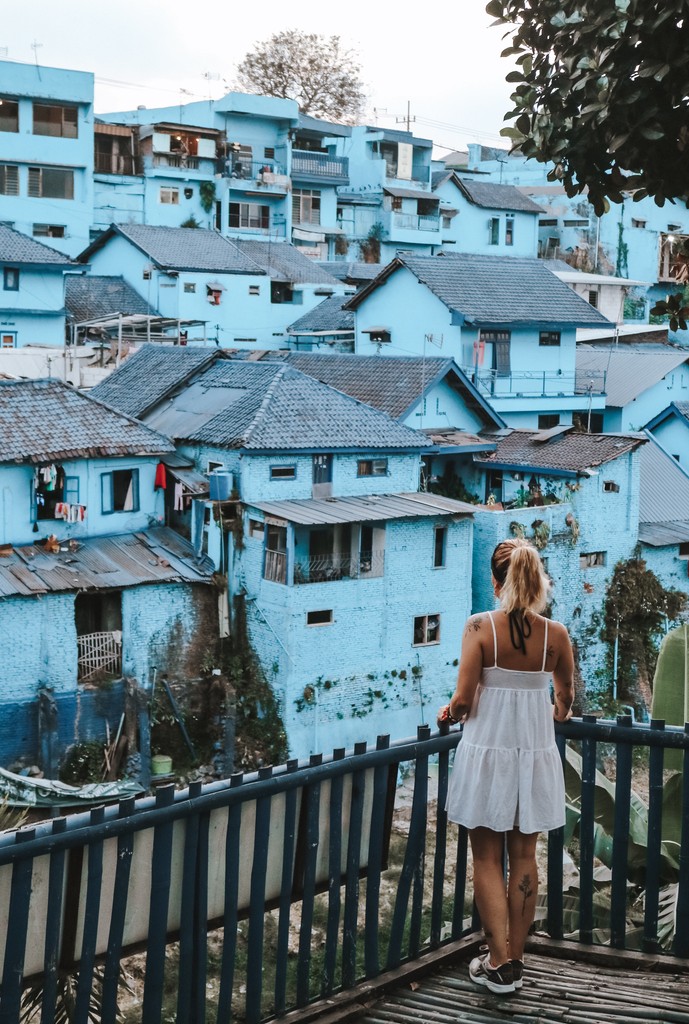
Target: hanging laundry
(179,497)
(161,477)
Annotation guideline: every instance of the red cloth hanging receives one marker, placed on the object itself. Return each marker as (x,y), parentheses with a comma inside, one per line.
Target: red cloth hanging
(161,477)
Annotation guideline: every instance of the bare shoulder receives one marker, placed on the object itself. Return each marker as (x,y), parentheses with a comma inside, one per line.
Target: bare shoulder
(557,632)
(476,624)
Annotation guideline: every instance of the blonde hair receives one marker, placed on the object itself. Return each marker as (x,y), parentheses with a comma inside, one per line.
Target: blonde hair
(517,567)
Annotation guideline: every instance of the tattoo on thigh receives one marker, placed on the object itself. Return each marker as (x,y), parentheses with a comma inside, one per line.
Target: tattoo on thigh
(526,891)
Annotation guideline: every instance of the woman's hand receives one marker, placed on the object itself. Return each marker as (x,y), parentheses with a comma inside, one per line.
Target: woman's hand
(445,715)
(559,717)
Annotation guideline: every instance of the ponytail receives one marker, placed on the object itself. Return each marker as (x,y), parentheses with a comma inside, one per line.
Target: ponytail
(517,567)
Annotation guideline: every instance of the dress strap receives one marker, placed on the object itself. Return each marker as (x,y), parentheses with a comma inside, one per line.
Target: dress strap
(545,646)
(495,641)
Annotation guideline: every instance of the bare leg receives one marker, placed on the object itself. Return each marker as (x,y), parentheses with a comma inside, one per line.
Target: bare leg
(490,891)
(523,888)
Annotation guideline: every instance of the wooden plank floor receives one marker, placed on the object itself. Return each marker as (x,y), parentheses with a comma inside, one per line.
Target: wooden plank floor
(555,990)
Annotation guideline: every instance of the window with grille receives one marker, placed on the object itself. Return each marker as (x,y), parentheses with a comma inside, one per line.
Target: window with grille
(509,231)
(9,180)
(372,467)
(549,338)
(55,119)
(306,206)
(592,559)
(51,183)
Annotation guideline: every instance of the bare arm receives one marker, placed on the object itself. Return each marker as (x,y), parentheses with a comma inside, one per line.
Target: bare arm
(563,680)
(470,667)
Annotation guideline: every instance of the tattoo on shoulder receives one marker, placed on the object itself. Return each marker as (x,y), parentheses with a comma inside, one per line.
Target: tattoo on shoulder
(473,625)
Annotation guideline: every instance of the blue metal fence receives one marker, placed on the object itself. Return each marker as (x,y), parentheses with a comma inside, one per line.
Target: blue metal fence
(310,885)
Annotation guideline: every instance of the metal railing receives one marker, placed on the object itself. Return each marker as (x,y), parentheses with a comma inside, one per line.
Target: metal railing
(116,163)
(339,567)
(319,164)
(181,160)
(414,222)
(544,383)
(264,171)
(99,652)
(336,860)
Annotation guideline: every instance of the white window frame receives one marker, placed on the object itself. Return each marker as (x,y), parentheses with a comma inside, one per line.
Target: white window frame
(426,627)
(169,195)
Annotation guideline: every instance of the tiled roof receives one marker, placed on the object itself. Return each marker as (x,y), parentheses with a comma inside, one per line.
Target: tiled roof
(494,290)
(264,406)
(18,248)
(43,420)
(89,297)
(328,316)
(283,262)
(393,384)
(354,271)
(569,452)
(192,249)
(628,373)
(492,196)
(146,377)
(158,555)
(663,497)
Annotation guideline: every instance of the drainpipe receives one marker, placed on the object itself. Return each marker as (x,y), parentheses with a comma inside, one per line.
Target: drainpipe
(615,654)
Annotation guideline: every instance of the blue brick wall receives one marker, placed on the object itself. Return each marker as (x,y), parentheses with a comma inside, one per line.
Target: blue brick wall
(607,522)
(361,675)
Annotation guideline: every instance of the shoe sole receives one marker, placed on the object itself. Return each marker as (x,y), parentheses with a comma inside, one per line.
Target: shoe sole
(498,990)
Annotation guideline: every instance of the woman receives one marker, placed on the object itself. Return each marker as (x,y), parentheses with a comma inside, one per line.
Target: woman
(507,782)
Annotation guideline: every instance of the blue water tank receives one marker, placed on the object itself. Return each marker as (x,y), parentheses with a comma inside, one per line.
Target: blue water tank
(221,481)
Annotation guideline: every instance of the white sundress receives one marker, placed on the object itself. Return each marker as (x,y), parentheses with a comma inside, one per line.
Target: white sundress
(507,771)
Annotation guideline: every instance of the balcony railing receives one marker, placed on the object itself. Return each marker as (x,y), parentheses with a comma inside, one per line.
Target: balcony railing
(115,163)
(99,652)
(532,383)
(300,857)
(262,172)
(179,160)
(415,222)
(339,567)
(319,165)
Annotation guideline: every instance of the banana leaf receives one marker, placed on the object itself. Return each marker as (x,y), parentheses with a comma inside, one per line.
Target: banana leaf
(670,699)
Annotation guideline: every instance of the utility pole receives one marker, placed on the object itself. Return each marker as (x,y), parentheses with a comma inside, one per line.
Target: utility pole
(408,119)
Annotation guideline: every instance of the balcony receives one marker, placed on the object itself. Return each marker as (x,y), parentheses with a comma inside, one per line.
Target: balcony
(339,567)
(415,222)
(116,163)
(268,174)
(181,161)
(306,164)
(536,384)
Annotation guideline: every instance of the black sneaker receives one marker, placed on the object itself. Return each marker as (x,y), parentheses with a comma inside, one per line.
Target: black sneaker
(518,973)
(496,979)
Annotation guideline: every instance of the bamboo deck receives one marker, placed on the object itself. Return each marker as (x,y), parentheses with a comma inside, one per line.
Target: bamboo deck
(555,990)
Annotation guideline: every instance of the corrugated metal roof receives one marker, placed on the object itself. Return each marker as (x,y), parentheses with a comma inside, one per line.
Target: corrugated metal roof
(663,495)
(628,374)
(47,420)
(158,555)
(410,193)
(372,508)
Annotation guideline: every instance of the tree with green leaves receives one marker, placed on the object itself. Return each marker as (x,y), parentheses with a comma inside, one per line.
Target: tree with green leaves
(601,91)
(316,71)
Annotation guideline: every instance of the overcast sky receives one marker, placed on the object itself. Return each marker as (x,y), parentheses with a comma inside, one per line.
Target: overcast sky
(446,64)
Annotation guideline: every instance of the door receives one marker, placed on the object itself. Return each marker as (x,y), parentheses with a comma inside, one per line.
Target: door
(322,476)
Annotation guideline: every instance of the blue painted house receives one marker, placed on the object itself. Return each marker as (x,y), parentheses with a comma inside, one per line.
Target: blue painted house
(94,587)
(46,153)
(32,291)
(485,217)
(508,322)
(241,293)
(670,428)
(224,163)
(640,381)
(563,490)
(317,173)
(355,583)
(664,514)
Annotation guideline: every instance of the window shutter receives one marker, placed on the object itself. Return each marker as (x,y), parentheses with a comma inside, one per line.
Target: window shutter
(34,182)
(106,492)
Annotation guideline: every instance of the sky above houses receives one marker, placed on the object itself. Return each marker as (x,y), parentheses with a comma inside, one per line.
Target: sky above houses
(444,63)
